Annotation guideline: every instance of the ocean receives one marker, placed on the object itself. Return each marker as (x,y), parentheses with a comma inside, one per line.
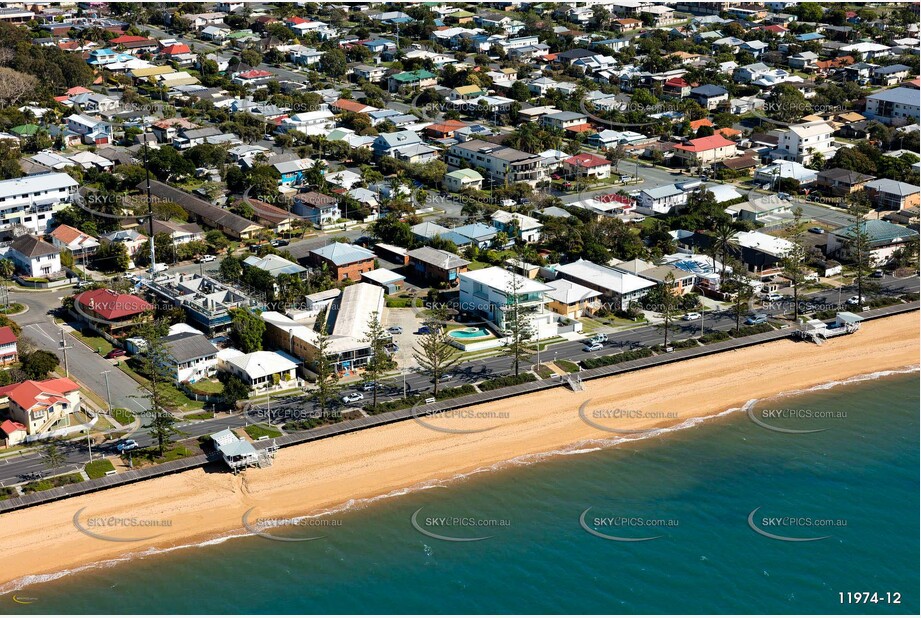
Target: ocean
(737,517)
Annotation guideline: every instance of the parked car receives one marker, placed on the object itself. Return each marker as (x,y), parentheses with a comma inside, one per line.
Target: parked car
(126,445)
(423,330)
(254,247)
(352,398)
(816,230)
(877,274)
(688,317)
(116,353)
(758,318)
(856,300)
(159,267)
(446,377)
(279,242)
(395,330)
(599,338)
(592,347)
(773,297)
(368,386)
(206,258)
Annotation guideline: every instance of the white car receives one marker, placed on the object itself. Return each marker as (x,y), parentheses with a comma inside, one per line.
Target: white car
(592,347)
(206,258)
(855,300)
(773,297)
(599,338)
(687,317)
(352,398)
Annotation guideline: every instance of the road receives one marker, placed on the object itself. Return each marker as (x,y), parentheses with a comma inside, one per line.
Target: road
(83,364)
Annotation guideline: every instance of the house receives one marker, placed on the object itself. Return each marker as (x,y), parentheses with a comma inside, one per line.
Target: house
(891,75)
(15,433)
(587,165)
(427,230)
(316,207)
(887,194)
(898,106)
(760,251)
(436,265)
(803,61)
(517,226)
(705,151)
(190,356)
(770,174)
(479,234)
(132,239)
(178,233)
(500,163)
(676,88)
(572,300)
(621,288)
(801,142)
(92,130)
(389,144)
(75,241)
(344,261)
(261,370)
(371,73)
(317,122)
(275,265)
(458,180)
(884,239)
(34,257)
(840,182)
(44,406)
(407,80)
(341,106)
(484,293)
(563,120)
(9,352)
(663,200)
(236,452)
(110,311)
(272,217)
(709,96)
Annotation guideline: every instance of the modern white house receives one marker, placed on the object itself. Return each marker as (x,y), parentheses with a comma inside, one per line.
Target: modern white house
(897,106)
(317,122)
(485,293)
(661,200)
(801,142)
(31,201)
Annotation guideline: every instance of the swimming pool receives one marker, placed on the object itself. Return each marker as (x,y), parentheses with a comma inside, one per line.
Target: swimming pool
(473,332)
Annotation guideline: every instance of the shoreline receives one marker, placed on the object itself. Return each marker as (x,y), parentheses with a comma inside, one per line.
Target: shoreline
(335,474)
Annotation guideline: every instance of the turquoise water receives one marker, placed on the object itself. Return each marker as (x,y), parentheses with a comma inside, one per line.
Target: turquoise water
(471,333)
(699,484)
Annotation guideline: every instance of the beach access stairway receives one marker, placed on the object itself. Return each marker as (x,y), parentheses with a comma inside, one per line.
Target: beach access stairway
(386,418)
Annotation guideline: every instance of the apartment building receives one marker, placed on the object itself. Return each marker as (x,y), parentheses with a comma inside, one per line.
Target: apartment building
(502,164)
(31,201)
(801,142)
(897,106)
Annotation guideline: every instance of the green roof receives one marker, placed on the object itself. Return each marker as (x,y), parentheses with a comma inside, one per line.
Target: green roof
(25,129)
(878,232)
(413,76)
(466,173)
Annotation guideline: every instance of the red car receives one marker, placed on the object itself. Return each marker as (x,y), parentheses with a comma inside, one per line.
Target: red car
(116,353)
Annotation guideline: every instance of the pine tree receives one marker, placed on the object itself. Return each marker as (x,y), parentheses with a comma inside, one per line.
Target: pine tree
(794,260)
(376,338)
(517,325)
(327,376)
(434,352)
(158,392)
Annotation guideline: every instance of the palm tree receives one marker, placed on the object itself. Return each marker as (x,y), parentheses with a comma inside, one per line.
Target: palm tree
(722,235)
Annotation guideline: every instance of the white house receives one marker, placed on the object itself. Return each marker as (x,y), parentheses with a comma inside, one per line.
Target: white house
(191,356)
(499,162)
(31,201)
(318,122)
(618,287)
(261,370)
(75,241)
(34,257)
(897,106)
(661,200)
(803,141)
(484,293)
(517,225)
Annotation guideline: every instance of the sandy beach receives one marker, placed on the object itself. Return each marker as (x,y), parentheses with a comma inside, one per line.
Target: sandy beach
(316,477)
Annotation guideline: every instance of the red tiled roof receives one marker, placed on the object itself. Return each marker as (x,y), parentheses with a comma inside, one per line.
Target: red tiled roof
(347,105)
(586,159)
(254,73)
(178,48)
(111,305)
(775,29)
(703,122)
(8,427)
(677,82)
(702,144)
(580,128)
(7,336)
(296,20)
(77,90)
(128,38)
(729,132)
(30,393)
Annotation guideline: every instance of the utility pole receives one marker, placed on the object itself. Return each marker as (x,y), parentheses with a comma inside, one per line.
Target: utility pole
(64,348)
(105,374)
(701,323)
(153,258)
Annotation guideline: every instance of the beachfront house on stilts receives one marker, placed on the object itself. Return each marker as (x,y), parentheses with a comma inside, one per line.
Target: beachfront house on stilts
(240,454)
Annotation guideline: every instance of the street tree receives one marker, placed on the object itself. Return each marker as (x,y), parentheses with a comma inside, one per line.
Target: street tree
(858,241)
(434,352)
(325,369)
(793,261)
(376,338)
(738,286)
(517,324)
(669,307)
(157,388)
(52,456)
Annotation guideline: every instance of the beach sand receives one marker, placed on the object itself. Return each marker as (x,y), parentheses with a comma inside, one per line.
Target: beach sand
(319,476)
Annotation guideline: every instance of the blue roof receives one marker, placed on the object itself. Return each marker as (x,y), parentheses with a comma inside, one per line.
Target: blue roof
(709,90)
(458,239)
(905,96)
(809,36)
(477,231)
(340,253)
